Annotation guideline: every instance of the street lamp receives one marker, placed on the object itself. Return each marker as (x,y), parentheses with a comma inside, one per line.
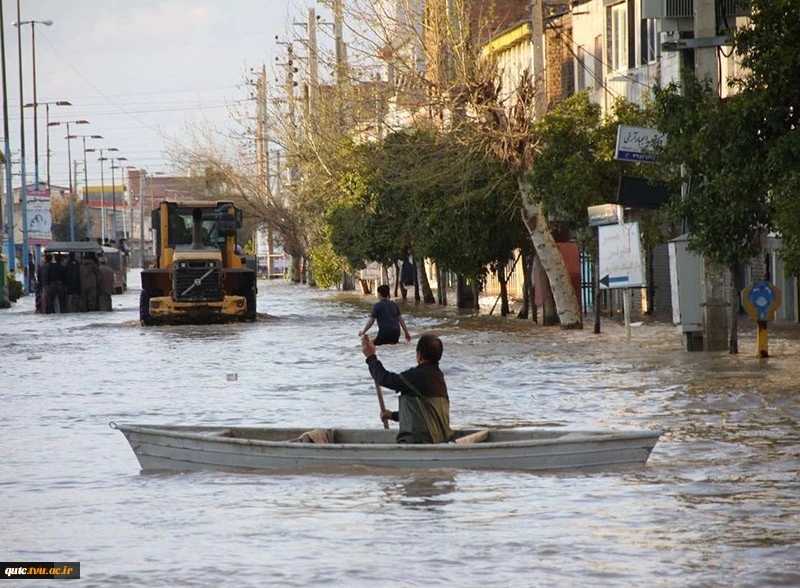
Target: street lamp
(33,24)
(47,124)
(85,179)
(114,195)
(101,159)
(69,167)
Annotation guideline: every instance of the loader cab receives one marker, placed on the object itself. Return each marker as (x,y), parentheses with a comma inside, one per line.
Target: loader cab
(216,223)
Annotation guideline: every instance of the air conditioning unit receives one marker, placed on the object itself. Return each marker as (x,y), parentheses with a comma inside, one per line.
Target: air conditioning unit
(671,9)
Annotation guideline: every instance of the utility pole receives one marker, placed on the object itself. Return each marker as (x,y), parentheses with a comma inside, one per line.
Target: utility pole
(7,151)
(290,102)
(338,22)
(142,178)
(713,277)
(313,67)
(537,40)
(262,156)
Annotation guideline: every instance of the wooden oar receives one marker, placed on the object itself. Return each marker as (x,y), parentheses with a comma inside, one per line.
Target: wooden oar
(379,392)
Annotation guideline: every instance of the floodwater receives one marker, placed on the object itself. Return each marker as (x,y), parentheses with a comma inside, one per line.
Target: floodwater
(718,503)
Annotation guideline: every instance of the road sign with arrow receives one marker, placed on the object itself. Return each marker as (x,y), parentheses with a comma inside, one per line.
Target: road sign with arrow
(620,249)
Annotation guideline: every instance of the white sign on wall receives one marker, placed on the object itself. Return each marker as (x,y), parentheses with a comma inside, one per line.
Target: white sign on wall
(621,260)
(634,143)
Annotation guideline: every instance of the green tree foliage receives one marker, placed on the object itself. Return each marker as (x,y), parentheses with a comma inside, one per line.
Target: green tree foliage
(769,48)
(575,167)
(59,214)
(725,209)
(426,194)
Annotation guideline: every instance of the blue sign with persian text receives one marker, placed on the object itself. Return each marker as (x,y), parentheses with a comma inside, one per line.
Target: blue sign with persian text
(636,143)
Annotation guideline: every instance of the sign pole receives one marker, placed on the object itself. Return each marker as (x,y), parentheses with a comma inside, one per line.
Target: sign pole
(762,351)
(626,309)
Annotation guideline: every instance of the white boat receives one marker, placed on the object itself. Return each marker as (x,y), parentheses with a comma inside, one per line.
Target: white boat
(179,447)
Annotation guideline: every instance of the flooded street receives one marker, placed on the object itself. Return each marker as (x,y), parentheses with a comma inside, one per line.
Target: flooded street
(717,504)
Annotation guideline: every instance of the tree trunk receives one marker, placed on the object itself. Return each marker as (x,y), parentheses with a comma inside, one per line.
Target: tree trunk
(713,298)
(441,281)
(501,277)
(398,275)
(549,315)
(427,293)
(550,257)
(527,297)
(651,283)
(534,308)
(384,275)
(465,295)
(414,263)
(297,269)
(736,289)
(348,282)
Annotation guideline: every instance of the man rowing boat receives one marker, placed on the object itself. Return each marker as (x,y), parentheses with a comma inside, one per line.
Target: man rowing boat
(424,406)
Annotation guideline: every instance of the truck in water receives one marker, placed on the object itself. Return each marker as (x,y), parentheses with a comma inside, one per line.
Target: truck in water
(199,274)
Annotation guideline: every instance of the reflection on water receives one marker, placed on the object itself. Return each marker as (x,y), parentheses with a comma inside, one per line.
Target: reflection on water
(427,490)
(716,505)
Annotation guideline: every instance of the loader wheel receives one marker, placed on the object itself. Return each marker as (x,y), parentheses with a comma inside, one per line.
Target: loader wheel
(144,307)
(250,297)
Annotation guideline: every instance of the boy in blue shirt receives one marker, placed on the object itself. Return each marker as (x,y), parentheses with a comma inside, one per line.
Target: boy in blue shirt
(389,318)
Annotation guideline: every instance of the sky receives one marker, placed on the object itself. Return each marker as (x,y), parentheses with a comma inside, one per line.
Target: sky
(139,71)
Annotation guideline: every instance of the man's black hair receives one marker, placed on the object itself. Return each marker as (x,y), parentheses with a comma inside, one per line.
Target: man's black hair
(430,348)
(383,290)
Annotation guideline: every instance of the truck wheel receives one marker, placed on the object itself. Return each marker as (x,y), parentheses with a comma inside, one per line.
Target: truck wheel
(144,308)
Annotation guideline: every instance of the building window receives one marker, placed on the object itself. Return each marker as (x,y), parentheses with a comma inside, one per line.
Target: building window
(651,47)
(598,61)
(580,70)
(617,37)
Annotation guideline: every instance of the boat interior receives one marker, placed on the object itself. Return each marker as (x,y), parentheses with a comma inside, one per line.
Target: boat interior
(371,436)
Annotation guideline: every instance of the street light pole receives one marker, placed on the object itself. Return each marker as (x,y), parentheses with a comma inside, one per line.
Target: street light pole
(47,125)
(114,195)
(69,166)
(7,148)
(23,191)
(86,180)
(101,159)
(33,24)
